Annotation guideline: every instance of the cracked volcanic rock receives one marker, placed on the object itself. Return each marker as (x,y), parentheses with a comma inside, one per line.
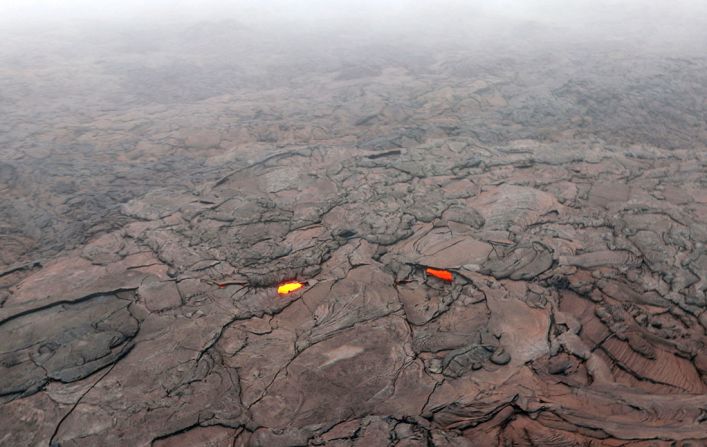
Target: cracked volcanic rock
(576,314)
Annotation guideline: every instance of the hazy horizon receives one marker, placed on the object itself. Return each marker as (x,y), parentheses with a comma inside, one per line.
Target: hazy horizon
(673,21)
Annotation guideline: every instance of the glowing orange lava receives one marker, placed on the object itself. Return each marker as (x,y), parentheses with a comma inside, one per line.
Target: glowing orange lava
(289,287)
(444,275)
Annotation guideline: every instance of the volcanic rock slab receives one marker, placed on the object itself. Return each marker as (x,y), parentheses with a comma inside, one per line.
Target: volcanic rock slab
(553,312)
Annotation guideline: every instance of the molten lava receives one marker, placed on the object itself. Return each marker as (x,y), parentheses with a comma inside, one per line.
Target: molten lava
(289,287)
(444,275)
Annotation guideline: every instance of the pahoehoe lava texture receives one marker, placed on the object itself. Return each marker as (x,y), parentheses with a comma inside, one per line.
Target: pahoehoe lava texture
(576,316)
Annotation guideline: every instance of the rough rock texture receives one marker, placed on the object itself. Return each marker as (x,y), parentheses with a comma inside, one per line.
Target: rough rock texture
(577,313)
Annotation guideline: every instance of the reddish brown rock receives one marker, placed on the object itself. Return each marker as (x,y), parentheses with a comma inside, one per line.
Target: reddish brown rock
(145,226)
(159,295)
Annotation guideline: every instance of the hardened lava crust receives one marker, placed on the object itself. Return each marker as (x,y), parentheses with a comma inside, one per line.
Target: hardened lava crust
(142,248)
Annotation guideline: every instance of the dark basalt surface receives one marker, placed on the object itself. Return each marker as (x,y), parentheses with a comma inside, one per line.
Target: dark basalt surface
(143,237)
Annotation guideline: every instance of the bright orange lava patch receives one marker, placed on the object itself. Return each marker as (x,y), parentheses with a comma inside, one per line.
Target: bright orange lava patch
(444,275)
(289,287)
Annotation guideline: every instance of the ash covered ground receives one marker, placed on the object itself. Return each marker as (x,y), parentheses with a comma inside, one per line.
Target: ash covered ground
(159,181)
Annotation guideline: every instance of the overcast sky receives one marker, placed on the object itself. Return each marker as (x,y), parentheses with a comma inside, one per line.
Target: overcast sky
(671,24)
(249,10)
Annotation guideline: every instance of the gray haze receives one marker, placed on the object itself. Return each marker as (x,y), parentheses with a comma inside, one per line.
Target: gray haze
(655,22)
